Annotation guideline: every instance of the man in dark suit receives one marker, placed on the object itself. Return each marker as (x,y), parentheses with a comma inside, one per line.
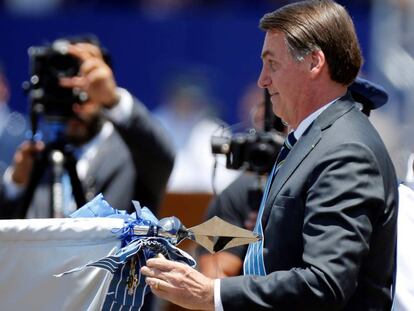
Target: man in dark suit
(328,218)
(122,151)
(235,205)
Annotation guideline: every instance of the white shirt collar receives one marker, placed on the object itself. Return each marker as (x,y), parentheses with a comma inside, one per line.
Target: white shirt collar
(309,119)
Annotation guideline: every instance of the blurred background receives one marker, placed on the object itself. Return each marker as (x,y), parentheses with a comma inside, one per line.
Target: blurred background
(205,55)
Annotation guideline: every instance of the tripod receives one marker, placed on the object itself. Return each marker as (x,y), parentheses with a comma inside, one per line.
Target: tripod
(59,156)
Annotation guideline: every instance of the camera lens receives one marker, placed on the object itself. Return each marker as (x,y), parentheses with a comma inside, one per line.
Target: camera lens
(220,145)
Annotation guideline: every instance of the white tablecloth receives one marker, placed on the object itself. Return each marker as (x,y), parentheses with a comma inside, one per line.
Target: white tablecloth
(33,250)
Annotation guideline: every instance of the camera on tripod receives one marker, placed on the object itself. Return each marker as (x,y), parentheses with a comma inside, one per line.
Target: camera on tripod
(53,103)
(48,64)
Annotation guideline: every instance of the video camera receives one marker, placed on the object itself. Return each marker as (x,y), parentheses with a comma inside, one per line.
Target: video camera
(255,150)
(48,64)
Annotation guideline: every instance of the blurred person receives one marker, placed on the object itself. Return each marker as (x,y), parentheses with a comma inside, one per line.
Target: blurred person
(122,150)
(186,101)
(188,113)
(328,222)
(13,125)
(409,176)
(404,287)
(392,65)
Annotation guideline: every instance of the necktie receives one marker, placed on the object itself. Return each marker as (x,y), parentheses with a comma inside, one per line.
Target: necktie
(290,141)
(253,262)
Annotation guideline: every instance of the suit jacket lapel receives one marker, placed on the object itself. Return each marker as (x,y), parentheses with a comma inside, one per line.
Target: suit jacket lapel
(304,146)
(101,167)
(299,152)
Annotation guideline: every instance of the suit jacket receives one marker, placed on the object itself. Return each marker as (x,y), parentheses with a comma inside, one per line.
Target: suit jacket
(133,163)
(329,222)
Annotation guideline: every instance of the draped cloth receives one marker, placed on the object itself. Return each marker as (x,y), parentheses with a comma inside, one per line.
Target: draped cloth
(33,250)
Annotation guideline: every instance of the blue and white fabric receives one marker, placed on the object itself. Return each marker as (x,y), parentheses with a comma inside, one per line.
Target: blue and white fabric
(128,288)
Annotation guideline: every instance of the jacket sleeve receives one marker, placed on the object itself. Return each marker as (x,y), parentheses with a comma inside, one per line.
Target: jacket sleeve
(152,153)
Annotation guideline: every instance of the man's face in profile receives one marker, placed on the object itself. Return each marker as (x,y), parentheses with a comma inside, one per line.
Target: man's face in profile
(284,77)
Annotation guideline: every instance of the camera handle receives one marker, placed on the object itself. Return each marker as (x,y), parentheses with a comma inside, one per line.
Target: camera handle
(60,158)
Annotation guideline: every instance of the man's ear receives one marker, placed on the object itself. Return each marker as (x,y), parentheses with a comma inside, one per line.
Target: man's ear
(317,63)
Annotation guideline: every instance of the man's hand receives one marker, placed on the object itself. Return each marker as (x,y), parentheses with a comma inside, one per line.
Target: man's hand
(23,161)
(95,78)
(179,283)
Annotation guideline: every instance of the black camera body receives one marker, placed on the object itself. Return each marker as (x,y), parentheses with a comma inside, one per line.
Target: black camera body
(255,151)
(47,65)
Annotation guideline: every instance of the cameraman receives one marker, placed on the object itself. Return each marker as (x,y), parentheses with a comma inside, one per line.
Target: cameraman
(122,151)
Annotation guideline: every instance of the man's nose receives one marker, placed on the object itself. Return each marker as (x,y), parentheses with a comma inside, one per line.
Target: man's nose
(264,80)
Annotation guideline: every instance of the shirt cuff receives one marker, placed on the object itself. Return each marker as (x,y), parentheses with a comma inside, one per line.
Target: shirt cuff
(11,189)
(122,111)
(218,306)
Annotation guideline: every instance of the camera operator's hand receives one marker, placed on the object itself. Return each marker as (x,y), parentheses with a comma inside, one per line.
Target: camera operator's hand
(95,78)
(23,161)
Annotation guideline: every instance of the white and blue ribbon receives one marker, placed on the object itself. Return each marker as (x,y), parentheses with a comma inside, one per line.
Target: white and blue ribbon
(128,288)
